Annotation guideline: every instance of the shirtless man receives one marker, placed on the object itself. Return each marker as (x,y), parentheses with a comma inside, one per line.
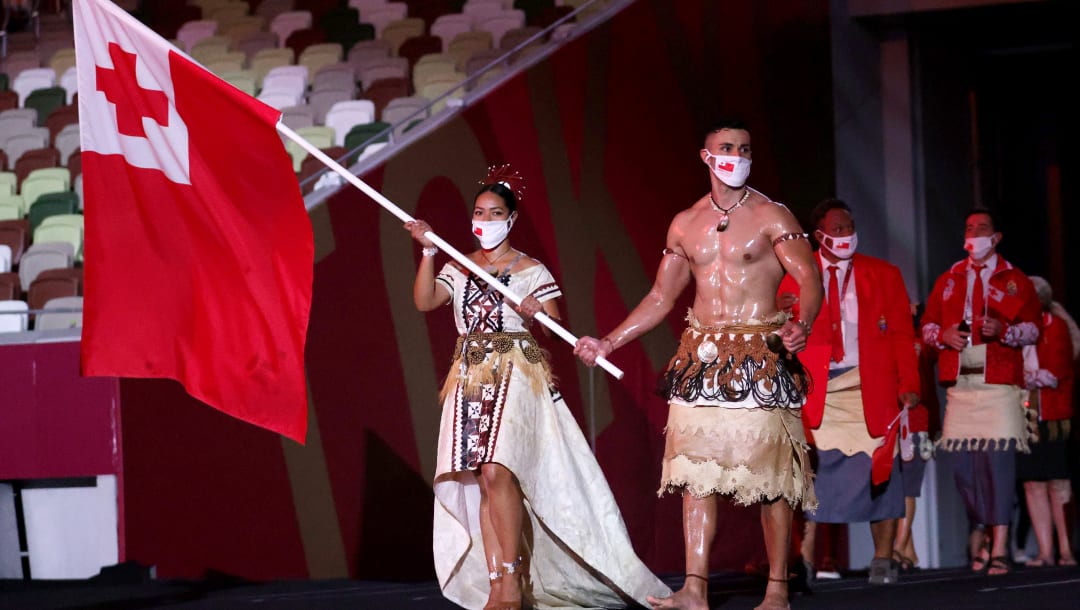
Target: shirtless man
(734,390)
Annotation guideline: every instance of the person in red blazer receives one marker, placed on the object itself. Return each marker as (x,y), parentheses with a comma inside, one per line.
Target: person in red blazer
(870,374)
(1045,472)
(980,314)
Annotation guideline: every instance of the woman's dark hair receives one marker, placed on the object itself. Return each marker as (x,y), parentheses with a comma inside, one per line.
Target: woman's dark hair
(500,189)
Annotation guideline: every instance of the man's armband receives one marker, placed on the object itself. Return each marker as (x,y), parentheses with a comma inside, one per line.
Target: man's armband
(789,237)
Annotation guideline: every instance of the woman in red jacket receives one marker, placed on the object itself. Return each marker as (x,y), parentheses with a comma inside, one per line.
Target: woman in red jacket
(1048,373)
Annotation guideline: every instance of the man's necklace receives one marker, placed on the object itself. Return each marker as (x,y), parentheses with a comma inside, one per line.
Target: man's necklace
(724,220)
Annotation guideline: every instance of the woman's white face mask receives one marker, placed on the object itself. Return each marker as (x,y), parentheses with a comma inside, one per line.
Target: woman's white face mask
(732,170)
(491,232)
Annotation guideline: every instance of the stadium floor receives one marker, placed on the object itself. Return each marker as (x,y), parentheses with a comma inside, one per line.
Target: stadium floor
(957,588)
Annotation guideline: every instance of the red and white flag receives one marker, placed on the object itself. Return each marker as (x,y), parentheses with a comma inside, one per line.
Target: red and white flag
(199,250)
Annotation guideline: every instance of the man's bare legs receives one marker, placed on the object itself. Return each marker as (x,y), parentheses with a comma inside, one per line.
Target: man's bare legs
(776,523)
(905,545)
(699,529)
(501,507)
(884,534)
(809,539)
(1037,494)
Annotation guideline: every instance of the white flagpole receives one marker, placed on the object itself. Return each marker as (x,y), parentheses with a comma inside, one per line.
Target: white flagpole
(544,319)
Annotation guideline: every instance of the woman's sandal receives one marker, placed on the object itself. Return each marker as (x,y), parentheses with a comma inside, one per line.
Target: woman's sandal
(1067,561)
(979,563)
(905,562)
(1000,563)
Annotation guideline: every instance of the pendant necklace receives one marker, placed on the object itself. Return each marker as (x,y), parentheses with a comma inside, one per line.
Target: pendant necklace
(725,212)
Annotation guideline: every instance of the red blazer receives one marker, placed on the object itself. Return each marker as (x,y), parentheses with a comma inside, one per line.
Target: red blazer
(887,362)
(1011,299)
(1055,355)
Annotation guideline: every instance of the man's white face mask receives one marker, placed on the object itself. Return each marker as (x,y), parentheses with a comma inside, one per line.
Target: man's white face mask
(979,247)
(491,232)
(840,247)
(732,170)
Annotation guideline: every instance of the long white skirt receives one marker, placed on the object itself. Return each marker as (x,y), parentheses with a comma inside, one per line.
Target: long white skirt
(580,555)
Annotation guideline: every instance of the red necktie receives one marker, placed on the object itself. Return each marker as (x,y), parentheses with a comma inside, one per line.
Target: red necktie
(978,305)
(834,314)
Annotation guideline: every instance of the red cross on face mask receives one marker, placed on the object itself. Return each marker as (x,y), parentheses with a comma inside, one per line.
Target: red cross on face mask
(132,102)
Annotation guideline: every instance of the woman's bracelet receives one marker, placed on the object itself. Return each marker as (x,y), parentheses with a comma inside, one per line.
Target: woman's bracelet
(804,325)
(429,251)
(611,346)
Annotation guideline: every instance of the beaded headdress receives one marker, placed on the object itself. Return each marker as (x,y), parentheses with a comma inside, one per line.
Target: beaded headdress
(510,178)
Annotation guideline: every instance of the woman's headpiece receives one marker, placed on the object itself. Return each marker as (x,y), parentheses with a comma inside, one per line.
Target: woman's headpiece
(510,178)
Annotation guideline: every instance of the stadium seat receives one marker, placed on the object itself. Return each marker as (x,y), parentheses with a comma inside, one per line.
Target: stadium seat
(69,80)
(11,207)
(401,110)
(61,173)
(62,319)
(322,100)
(10,319)
(41,256)
(16,234)
(384,90)
(16,145)
(60,233)
(466,45)
(383,15)
(387,67)
(338,75)
(367,49)
(35,159)
(45,101)
(61,117)
(48,204)
(343,116)
(191,32)
(243,80)
(441,85)
(5,261)
(297,117)
(267,59)
(284,24)
(318,136)
(254,43)
(52,284)
(447,27)
(361,135)
(418,46)
(432,65)
(301,39)
(398,31)
(10,289)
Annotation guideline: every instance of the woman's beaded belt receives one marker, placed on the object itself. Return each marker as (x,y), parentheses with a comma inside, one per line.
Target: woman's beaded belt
(477,346)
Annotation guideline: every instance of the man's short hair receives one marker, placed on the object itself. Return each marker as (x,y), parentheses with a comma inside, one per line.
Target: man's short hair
(824,207)
(725,123)
(981,210)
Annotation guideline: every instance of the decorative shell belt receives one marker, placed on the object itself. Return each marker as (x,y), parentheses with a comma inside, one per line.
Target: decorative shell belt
(477,346)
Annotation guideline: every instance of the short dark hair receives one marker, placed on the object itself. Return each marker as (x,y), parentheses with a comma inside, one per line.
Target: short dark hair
(725,123)
(824,207)
(981,210)
(502,191)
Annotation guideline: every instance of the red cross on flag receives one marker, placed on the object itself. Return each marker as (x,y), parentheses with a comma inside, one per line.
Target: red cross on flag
(198,250)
